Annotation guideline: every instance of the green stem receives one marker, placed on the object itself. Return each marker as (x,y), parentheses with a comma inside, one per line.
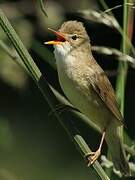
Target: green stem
(43,8)
(46,91)
(123,67)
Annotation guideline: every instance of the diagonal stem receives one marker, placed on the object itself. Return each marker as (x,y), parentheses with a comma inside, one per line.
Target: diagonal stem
(46,91)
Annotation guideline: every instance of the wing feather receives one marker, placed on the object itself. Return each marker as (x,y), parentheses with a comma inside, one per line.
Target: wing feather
(102,86)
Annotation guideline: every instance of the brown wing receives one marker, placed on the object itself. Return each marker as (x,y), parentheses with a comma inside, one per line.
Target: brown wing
(104,90)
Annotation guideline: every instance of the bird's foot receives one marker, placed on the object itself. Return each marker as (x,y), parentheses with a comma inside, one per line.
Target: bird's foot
(92,157)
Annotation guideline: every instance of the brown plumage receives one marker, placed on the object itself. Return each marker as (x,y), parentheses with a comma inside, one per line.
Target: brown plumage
(87,87)
(102,86)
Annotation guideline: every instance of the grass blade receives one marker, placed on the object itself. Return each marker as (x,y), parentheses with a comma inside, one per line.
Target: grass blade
(45,89)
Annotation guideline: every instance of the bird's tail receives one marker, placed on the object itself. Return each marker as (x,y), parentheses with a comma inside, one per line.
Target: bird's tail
(117,151)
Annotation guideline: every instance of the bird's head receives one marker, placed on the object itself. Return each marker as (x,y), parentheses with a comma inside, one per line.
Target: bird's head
(71,35)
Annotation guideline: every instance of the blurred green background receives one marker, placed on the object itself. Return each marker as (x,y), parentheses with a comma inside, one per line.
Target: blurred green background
(33,145)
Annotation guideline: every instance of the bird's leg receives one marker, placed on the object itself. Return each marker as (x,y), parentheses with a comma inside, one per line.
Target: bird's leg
(93,156)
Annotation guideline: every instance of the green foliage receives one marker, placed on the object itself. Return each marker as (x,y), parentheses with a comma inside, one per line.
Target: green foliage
(43,86)
(21,58)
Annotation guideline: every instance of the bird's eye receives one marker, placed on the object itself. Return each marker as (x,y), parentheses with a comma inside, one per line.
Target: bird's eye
(74,37)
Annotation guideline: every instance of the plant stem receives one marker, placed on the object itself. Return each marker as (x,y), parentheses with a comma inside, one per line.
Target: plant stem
(42,7)
(46,91)
(123,67)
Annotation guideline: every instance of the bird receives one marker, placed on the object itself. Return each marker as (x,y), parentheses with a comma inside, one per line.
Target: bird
(88,89)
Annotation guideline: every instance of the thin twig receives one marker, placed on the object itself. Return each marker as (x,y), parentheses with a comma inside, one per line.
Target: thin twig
(114,52)
(99,17)
(42,7)
(110,9)
(118,6)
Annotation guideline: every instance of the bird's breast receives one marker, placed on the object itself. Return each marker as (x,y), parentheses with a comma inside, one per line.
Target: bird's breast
(73,82)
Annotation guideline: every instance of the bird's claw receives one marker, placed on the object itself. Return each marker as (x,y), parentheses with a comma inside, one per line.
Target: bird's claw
(92,157)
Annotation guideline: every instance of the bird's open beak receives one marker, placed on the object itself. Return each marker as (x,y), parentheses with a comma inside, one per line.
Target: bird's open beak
(59,40)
